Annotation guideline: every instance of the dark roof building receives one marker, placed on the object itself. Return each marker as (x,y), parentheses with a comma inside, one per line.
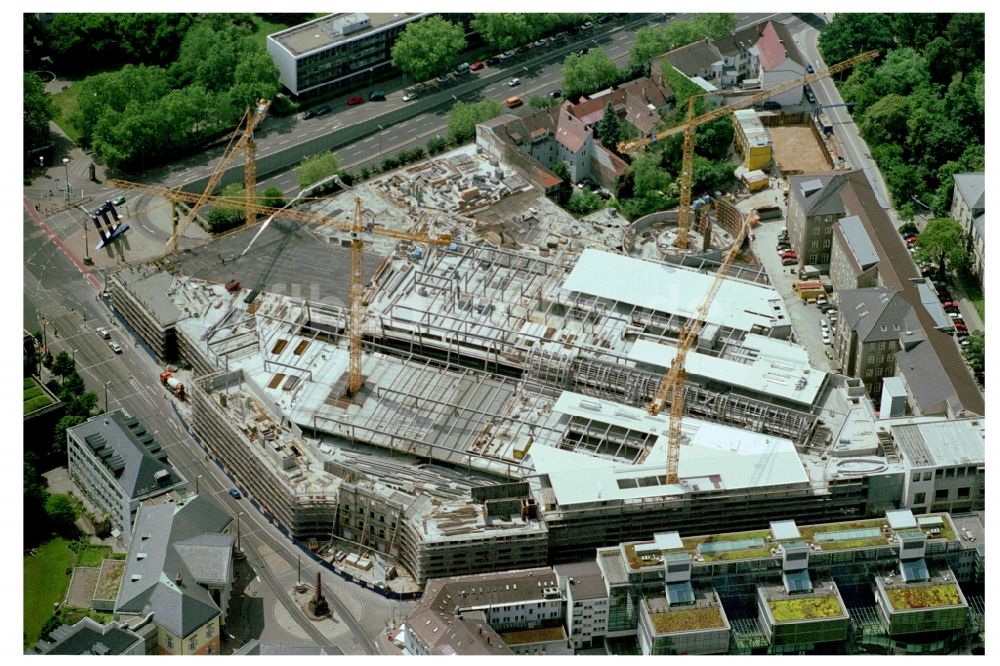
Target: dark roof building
(87,637)
(180,569)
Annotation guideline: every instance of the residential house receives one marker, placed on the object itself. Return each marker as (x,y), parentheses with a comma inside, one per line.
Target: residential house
(814,204)
(968,206)
(179,571)
(118,465)
(871,325)
(853,259)
(780,61)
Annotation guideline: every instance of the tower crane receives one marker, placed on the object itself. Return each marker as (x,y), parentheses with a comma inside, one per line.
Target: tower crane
(673,382)
(242,140)
(693,122)
(357,229)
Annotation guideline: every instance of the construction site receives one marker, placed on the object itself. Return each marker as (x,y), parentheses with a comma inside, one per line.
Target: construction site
(440,372)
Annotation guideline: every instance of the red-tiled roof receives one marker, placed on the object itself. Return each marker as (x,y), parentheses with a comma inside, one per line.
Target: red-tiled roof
(770,49)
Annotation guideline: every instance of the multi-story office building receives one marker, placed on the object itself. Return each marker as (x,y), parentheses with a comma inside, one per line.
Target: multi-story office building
(340,51)
(945,465)
(118,465)
(853,258)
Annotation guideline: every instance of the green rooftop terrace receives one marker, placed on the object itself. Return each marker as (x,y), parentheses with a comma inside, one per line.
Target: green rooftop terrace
(828,536)
(35,396)
(539,635)
(802,608)
(924,596)
(687,619)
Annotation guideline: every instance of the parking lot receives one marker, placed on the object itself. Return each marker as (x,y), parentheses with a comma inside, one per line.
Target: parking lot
(805,318)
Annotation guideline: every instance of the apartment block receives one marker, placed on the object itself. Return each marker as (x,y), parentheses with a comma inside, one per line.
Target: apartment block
(853,258)
(118,466)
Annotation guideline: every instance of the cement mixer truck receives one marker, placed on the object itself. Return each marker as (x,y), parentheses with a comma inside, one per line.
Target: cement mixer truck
(167,379)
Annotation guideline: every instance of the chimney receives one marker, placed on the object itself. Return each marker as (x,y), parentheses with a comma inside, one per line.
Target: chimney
(179,580)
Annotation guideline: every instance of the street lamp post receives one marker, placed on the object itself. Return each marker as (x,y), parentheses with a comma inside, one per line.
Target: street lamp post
(66,166)
(197,484)
(106,396)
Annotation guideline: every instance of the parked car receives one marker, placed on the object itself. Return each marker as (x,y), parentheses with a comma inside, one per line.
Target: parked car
(409,97)
(513,82)
(789,261)
(476,66)
(555,93)
(587,25)
(809,68)
(821,300)
(118,201)
(825,337)
(376,96)
(307,114)
(961,326)
(782,246)
(235,493)
(322,110)
(789,254)
(513,102)
(583,51)
(810,96)
(957,316)
(354,101)
(104,333)
(115,347)
(443,79)
(539,42)
(508,54)
(495,60)
(771,105)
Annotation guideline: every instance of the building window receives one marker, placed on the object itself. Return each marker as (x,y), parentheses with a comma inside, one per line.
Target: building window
(915,477)
(927,476)
(881,345)
(920,498)
(963,493)
(812,258)
(210,630)
(941,494)
(193,644)
(938,473)
(868,372)
(170,643)
(961,471)
(814,245)
(949,473)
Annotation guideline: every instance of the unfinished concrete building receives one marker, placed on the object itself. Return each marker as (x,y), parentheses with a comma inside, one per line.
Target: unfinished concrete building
(505,382)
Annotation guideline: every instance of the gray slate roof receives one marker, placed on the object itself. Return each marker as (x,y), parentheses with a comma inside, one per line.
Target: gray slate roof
(927,379)
(972,188)
(694,57)
(826,200)
(87,637)
(868,311)
(134,458)
(169,540)
(858,242)
(587,581)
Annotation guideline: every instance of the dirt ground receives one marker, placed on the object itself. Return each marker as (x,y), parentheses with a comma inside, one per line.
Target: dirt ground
(81,588)
(796,150)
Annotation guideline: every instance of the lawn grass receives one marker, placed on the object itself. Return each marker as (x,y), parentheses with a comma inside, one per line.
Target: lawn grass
(92,556)
(805,608)
(975,294)
(65,103)
(34,396)
(924,596)
(45,583)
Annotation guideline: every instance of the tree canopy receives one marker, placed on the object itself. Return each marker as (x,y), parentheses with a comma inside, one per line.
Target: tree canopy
(315,168)
(38,111)
(428,47)
(975,352)
(941,243)
(507,30)
(921,108)
(463,118)
(588,73)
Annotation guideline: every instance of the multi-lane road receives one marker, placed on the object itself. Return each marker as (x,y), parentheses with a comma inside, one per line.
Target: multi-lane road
(55,292)
(60,290)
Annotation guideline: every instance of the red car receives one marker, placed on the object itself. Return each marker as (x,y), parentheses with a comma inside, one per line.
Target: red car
(961,326)
(476,66)
(354,101)
(789,254)
(949,305)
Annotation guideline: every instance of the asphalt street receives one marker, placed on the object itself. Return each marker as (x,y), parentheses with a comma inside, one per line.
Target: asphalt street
(56,293)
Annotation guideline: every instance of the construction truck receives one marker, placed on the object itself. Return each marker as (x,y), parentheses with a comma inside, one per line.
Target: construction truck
(167,379)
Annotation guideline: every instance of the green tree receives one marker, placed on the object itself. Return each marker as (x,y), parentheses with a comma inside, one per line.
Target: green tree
(62,514)
(588,73)
(38,111)
(428,47)
(648,175)
(941,243)
(609,128)
(463,118)
(851,34)
(713,25)
(584,201)
(56,456)
(505,31)
(885,120)
(917,30)
(540,102)
(82,404)
(272,197)
(975,352)
(649,42)
(967,34)
(72,386)
(564,189)
(315,168)
(63,365)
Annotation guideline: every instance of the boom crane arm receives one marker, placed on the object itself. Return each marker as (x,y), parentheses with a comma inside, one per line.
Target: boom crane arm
(673,382)
(251,118)
(636,144)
